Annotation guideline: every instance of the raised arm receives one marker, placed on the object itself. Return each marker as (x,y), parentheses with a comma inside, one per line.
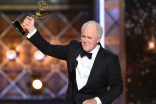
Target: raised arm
(57,51)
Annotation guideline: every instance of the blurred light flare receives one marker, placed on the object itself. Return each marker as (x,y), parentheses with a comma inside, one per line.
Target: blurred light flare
(151,45)
(39,55)
(11,54)
(129,80)
(37,84)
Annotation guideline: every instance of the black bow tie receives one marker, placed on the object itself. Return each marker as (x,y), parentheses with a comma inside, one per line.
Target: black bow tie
(84,53)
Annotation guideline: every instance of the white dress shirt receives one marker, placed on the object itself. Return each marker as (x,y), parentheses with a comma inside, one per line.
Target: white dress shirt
(83,68)
(31,34)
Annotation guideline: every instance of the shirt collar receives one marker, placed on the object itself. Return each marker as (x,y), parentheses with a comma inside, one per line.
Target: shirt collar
(95,51)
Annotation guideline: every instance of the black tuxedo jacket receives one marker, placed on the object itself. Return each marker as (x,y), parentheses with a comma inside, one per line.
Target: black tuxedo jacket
(105,71)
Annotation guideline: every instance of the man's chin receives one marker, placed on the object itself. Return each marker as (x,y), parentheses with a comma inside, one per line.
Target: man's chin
(86,50)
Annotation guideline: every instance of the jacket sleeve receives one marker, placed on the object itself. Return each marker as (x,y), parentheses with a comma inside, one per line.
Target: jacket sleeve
(57,51)
(115,81)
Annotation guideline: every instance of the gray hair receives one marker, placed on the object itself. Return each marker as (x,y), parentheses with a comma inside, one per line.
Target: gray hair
(99,30)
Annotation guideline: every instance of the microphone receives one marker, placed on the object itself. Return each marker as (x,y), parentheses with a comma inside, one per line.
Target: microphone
(75,64)
(72,73)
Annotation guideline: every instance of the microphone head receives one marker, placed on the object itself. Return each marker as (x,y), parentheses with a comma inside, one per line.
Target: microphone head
(72,73)
(75,63)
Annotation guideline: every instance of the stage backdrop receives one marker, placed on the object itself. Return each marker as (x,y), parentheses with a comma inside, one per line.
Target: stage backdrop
(61,26)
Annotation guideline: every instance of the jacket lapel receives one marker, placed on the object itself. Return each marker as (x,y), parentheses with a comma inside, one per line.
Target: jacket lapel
(73,59)
(72,73)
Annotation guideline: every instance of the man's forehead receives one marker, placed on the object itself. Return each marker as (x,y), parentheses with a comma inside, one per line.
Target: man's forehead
(90,27)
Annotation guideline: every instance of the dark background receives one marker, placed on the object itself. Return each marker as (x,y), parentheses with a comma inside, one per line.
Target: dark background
(140,28)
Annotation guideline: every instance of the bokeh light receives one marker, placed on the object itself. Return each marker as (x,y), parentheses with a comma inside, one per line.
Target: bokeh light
(11,54)
(37,84)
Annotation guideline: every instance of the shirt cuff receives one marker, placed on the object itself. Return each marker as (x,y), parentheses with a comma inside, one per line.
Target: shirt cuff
(31,34)
(98,101)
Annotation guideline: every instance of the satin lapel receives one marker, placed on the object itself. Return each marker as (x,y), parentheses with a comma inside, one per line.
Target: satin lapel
(97,65)
(77,52)
(74,58)
(72,69)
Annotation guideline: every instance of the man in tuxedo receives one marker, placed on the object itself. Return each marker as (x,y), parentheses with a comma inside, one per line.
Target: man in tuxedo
(91,68)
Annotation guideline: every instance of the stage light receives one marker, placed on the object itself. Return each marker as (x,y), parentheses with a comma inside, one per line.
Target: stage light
(39,55)
(151,45)
(37,84)
(11,54)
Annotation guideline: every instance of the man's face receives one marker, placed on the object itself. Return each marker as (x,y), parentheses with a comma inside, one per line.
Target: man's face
(89,39)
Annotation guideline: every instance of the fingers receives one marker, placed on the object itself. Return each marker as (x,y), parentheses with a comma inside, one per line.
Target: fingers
(30,18)
(84,102)
(26,21)
(90,101)
(28,24)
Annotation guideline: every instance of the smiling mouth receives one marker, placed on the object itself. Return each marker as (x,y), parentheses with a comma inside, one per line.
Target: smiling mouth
(85,44)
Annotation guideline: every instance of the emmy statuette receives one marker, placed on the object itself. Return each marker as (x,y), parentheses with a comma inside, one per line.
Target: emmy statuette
(42,6)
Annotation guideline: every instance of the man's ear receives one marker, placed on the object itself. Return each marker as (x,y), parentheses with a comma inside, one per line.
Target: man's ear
(98,39)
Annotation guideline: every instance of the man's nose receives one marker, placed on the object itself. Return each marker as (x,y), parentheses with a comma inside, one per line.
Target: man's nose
(85,40)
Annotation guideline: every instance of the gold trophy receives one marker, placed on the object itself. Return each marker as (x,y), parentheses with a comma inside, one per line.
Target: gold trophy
(42,6)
